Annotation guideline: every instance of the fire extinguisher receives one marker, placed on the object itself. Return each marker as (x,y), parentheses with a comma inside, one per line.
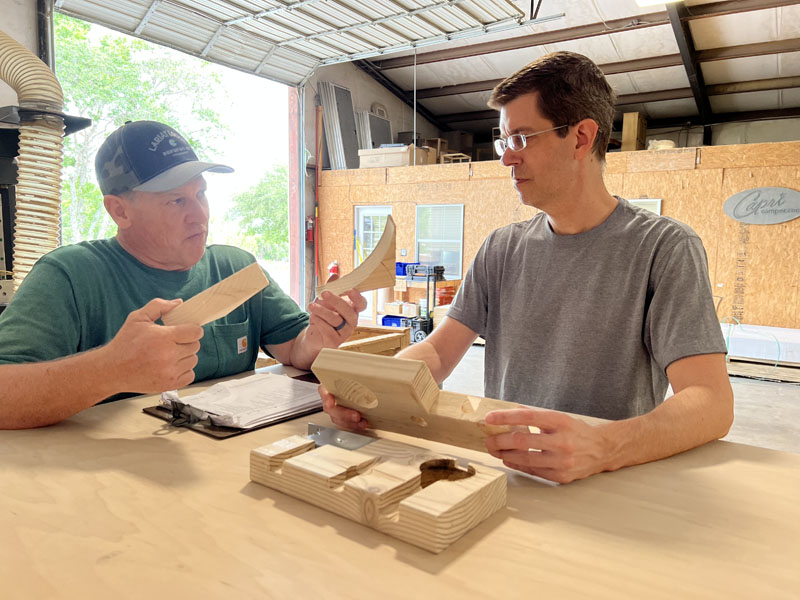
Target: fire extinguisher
(310,230)
(333,268)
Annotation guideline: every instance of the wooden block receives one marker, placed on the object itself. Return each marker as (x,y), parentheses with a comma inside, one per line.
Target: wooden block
(386,344)
(405,491)
(377,270)
(400,395)
(220,299)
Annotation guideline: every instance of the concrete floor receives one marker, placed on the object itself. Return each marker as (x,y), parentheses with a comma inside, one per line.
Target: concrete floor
(767,414)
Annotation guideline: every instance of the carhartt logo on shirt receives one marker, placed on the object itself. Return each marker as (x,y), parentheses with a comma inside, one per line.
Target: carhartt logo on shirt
(241,345)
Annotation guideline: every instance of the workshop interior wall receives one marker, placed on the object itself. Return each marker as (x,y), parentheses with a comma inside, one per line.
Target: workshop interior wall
(753,269)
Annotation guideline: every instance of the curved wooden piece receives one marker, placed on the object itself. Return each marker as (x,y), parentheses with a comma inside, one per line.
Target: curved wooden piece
(220,299)
(377,271)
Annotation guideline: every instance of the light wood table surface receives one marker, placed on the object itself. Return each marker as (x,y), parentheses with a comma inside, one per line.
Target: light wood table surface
(113,503)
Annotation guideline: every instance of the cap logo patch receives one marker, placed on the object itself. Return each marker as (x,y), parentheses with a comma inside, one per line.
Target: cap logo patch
(160,137)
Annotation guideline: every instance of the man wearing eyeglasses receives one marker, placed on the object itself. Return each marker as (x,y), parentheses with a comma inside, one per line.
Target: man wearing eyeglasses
(592,307)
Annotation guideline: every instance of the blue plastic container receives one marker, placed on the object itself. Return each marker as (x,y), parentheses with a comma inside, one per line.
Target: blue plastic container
(400,268)
(390,321)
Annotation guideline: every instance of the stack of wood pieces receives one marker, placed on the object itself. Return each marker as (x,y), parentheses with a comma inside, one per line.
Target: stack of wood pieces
(782,372)
(405,491)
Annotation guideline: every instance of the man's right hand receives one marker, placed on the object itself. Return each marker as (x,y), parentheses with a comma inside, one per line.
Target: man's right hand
(153,358)
(342,417)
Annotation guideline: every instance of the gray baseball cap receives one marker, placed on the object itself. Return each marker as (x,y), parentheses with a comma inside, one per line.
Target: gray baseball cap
(146,156)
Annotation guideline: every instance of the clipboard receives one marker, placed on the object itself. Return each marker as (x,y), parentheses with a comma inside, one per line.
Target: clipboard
(206,427)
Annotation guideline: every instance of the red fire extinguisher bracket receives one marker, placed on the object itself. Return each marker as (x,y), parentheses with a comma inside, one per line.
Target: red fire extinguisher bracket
(310,226)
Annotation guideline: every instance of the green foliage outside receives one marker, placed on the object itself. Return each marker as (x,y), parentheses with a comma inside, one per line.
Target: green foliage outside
(117,79)
(262,212)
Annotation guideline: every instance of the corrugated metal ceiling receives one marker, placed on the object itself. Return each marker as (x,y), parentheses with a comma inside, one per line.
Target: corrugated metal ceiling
(646,57)
(286,41)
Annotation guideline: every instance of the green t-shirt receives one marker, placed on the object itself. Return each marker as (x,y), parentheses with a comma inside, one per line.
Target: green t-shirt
(77,297)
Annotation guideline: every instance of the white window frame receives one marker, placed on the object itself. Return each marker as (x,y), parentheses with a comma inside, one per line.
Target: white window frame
(360,212)
(651,204)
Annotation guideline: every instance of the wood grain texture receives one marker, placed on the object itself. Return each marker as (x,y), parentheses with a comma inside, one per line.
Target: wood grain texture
(400,395)
(112,503)
(377,271)
(404,491)
(220,299)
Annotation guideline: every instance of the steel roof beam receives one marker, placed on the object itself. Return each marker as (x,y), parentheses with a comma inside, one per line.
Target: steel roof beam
(536,39)
(745,50)
(147,17)
(678,14)
(750,115)
(715,9)
(626,66)
(722,89)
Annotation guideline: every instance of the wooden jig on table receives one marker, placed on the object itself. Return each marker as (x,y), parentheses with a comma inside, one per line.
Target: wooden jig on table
(405,491)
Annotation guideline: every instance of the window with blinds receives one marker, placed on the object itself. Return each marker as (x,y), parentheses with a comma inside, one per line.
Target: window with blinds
(440,237)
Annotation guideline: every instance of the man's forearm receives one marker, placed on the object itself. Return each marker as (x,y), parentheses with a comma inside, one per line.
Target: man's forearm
(39,394)
(303,351)
(690,418)
(425,351)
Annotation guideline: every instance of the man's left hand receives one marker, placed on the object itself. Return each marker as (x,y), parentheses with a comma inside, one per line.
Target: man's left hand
(334,318)
(566,449)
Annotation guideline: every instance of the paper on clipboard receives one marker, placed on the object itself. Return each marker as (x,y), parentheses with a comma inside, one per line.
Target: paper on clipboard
(248,402)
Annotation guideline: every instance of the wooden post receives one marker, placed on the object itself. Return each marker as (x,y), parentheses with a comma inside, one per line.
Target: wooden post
(634,130)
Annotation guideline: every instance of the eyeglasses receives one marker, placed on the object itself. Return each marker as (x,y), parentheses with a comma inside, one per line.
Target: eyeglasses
(518,141)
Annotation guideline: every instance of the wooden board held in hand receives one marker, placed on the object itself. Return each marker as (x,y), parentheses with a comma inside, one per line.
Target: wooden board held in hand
(400,395)
(377,270)
(220,299)
(405,491)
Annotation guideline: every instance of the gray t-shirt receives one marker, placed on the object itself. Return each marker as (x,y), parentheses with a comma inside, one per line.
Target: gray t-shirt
(588,323)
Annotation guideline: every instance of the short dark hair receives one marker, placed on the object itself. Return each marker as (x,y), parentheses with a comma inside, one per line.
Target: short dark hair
(570,87)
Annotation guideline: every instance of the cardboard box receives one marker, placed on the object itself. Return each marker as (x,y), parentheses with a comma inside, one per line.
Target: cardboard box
(410,309)
(430,155)
(396,156)
(393,308)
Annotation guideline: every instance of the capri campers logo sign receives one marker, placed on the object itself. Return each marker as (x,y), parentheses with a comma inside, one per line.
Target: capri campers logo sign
(764,206)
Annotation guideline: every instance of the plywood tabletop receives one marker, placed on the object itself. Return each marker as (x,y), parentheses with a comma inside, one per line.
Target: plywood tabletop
(114,503)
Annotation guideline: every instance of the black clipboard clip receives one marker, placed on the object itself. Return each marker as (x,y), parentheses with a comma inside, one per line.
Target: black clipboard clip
(184,415)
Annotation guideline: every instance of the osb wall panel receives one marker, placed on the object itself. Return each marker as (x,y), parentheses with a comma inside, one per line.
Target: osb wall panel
(749,155)
(753,268)
(335,229)
(661,160)
(614,182)
(353,177)
(688,196)
(490,169)
(616,162)
(758,264)
(422,173)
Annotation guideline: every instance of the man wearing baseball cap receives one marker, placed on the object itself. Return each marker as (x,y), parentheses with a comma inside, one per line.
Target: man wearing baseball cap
(83,326)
